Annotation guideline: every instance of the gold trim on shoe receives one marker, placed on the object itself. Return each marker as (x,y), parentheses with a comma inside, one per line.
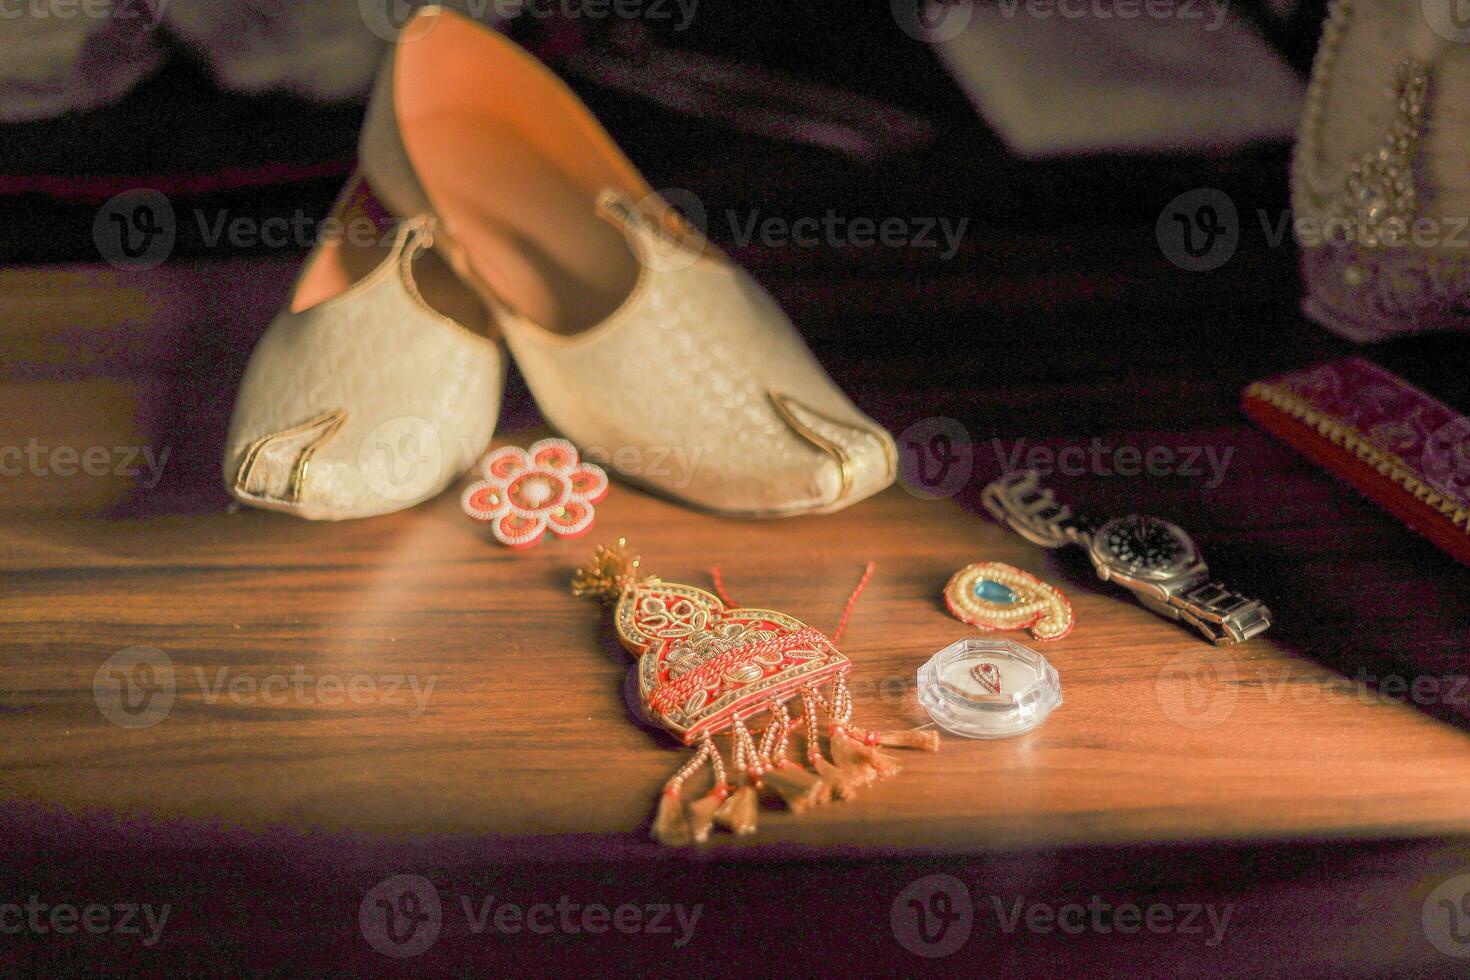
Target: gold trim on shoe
(320,430)
(807,422)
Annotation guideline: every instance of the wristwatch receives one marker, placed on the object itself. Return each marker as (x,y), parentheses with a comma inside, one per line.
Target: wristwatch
(1151,557)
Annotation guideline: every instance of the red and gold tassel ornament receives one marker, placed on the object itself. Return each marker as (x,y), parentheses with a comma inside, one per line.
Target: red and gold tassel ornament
(707,669)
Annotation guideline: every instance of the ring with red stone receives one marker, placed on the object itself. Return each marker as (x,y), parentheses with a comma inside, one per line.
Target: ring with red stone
(528,492)
(994,596)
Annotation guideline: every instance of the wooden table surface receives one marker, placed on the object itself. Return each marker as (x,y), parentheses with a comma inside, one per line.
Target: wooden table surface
(449,685)
(405,679)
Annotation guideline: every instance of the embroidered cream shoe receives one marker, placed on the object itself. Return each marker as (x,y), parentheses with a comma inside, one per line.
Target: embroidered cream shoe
(641,343)
(375,388)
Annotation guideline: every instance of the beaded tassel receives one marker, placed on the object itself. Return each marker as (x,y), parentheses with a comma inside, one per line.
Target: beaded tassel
(799,788)
(702,811)
(840,784)
(738,813)
(707,668)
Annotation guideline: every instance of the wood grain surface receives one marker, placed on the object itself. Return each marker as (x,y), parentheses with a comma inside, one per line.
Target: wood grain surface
(444,684)
(346,695)
(436,682)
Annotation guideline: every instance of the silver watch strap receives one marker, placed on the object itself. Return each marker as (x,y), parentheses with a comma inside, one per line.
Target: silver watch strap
(1223,616)
(1020,502)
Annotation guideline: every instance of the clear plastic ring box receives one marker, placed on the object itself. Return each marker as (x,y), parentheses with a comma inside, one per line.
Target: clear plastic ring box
(984,688)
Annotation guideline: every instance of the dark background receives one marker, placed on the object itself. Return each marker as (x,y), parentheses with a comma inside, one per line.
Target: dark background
(1067,242)
(1063,247)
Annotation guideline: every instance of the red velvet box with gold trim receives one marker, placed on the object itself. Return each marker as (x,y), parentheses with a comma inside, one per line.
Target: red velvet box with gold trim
(1404,449)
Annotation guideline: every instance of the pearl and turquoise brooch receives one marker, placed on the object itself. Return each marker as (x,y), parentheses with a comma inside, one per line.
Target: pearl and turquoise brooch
(994,596)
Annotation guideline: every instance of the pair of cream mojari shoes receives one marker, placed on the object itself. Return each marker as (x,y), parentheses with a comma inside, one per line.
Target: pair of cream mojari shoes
(518,217)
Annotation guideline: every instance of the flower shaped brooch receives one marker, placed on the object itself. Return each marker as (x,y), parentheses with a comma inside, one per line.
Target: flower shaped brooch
(527,492)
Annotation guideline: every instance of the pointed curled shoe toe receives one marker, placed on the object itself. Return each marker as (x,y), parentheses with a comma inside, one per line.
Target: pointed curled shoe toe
(373,390)
(641,342)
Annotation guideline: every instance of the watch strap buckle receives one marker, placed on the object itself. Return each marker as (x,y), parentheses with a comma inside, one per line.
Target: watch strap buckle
(1019,501)
(1222,615)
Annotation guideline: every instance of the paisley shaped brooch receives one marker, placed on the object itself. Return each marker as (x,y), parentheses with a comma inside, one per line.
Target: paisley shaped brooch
(994,596)
(708,669)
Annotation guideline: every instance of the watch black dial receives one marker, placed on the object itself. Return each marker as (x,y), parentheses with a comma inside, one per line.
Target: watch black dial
(1144,544)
